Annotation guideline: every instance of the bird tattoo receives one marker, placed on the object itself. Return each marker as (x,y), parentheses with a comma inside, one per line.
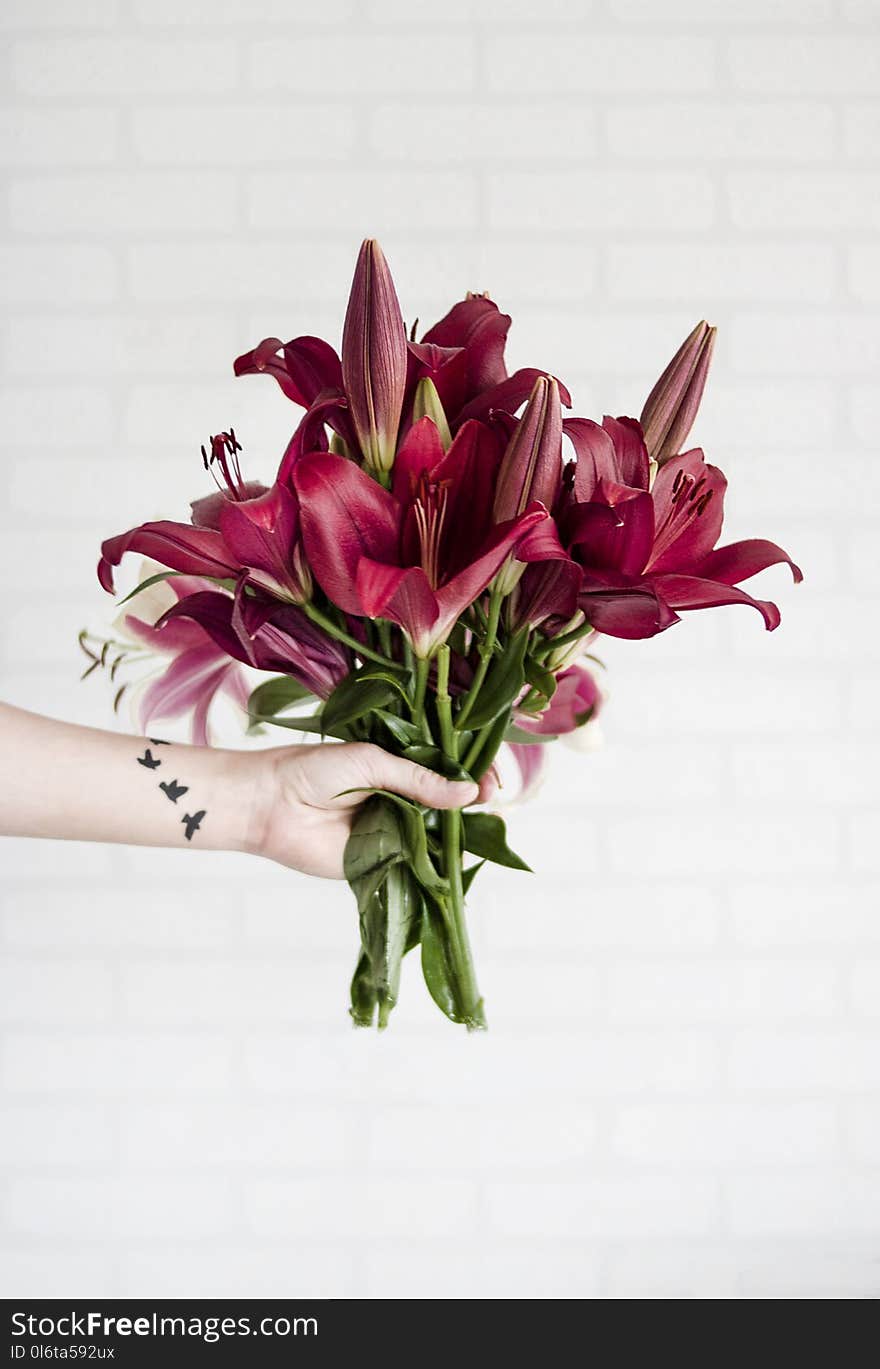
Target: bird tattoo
(193,822)
(149,760)
(173,790)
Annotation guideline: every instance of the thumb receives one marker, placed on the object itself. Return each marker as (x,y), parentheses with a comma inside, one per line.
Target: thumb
(416,782)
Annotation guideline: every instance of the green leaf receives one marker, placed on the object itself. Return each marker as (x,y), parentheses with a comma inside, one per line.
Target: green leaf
(433,759)
(437,965)
(539,678)
(389,907)
(415,839)
(352,699)
(376,841)
(490,744)
(275,695)
(485,835)
(363,993)
(313,722)
(468,876)
(379,673)
(151,580)
(502,684)
(403,732)
(521,737)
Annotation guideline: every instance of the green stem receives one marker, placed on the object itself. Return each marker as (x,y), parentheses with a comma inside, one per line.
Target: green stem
(450,823)
(423,667)
(471,1002)
(551,644)
(448,738)
(321,620)
(486,648)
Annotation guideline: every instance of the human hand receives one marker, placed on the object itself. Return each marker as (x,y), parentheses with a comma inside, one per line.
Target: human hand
(300,815)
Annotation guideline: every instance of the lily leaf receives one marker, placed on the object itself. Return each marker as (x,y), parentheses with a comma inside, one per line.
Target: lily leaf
(390,677)
(312,722)
(485,835)
(491,743)
(416,839)
(403,732)
(437,964)
(433,759)
(521,737)
(504,681)
(352,699)
(389,907)
(468,876)
(275,695)
(151,580)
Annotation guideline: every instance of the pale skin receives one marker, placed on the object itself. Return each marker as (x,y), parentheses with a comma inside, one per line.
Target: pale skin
(288,804)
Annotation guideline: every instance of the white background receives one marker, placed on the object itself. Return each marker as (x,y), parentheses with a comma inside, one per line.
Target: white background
(678,1095)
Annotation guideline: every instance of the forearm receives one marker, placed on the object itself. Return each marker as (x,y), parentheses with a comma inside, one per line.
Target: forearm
(82,784)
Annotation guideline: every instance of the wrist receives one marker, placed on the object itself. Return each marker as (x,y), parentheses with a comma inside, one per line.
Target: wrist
(241,801)
(256,787)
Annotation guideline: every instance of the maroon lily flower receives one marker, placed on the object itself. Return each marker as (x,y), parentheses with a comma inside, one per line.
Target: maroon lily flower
(646,555)
(244,531)
(417,555)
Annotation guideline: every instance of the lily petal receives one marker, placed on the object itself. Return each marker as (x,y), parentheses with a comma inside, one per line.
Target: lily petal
(401,594)
(740,560)
(509,394)
(688,499)
(624,607)
(688,592)
(477,324)
(345,515)
(197,551)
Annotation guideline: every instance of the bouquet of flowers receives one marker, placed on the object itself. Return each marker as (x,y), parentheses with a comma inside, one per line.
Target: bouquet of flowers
(437,552)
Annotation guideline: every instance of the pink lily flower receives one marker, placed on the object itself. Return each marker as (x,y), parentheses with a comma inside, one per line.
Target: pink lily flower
(198,672)
(267,635)
(570,713)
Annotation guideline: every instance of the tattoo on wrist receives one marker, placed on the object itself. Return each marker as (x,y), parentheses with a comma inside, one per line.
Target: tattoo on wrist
(172,789)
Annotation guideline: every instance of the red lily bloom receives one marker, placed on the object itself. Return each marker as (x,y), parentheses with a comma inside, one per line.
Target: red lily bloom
(244,531)
(464,356)
(646,553)
(366,398)
(417,555)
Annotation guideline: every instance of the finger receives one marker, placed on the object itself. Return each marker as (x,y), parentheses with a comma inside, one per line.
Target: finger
(415,782)
(488,785)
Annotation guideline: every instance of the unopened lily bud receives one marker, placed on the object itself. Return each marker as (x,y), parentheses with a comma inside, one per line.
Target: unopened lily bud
(426,404)
(374,358)
(672,405)
(531,468)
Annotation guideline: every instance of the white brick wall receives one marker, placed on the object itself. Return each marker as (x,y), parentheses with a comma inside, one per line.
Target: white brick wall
(679,1097)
